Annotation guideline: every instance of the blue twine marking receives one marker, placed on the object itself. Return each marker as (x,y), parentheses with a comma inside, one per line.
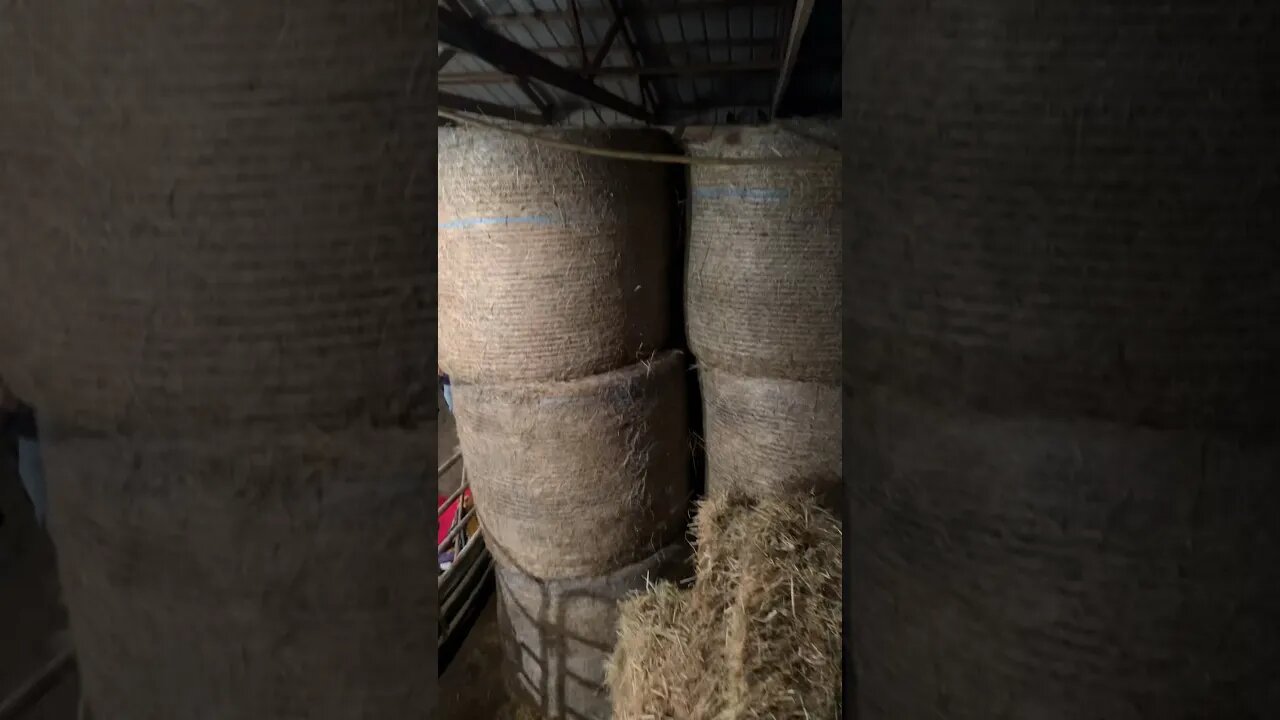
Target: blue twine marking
(475,222)
(759,194)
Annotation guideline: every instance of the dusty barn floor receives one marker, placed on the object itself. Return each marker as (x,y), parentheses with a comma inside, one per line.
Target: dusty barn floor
(32,620)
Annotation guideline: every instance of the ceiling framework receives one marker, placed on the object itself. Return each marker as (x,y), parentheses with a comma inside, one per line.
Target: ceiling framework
(799,21)
(449,101)
(636,62)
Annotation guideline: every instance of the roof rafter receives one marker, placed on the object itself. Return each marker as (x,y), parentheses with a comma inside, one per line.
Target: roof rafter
(449,101)
(473,37)
(799,21)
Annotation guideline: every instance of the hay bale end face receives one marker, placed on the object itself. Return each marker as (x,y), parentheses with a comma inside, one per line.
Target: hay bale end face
(758,634)
(553,264)
(574,479)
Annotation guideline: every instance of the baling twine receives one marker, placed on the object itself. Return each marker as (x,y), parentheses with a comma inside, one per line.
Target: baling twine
(823,159)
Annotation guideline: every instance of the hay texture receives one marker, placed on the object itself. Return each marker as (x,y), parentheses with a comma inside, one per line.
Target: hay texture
(553,264)
(243,578)
(771,437)
(763,274)
(558,635)
(1085,569)
(758,634)
(1062,338)
(216,213)
(574,479)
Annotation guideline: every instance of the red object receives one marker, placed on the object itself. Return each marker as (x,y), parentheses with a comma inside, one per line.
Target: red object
(450,513)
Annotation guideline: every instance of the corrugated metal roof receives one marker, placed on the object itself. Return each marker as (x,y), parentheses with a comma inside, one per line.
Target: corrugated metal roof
(704,61)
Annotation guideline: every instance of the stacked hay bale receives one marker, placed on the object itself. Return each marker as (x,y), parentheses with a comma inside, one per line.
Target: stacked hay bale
(758,634)
(217,297)
(1063,299)
(763,289)
(553,305)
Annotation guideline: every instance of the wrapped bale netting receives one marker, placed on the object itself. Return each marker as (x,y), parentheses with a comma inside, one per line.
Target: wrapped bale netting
(554,264)
(771,437)
(240,578)
(763,278)
(215,213)
(557,635)
(1063,303)
(573,479)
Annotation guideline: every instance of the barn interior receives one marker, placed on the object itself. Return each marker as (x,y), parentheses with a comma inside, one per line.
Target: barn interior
(697,71)
(687,70)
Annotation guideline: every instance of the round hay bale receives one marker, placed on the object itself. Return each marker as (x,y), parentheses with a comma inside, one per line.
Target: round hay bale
(558,635)
(236,577)
(216,213)
(1063,302)
(768,437)
(1095,261)
(763,274)
(553,264)
(1111,571)
(577,478)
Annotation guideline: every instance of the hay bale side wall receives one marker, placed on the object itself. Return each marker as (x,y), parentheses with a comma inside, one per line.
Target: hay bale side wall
(553,263)
(990,549)
(770,437)
(242,578)
(1062,331)
(577,478)
(763,282)
(216,213)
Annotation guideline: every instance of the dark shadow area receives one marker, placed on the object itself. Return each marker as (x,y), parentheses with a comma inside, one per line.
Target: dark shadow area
(470,685)
(812,93)
(572,622)
(550,694)
(468,619)
(35,622)
(678,182)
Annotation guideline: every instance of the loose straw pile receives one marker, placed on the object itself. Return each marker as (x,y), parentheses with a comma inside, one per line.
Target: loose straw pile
(757,636)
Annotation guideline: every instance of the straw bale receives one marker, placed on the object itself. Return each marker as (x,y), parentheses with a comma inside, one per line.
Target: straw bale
(216,213)
(758,634)
(763,274)
(247,577)
(576,478)
(553,264)
(770,437)
(1061,323)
